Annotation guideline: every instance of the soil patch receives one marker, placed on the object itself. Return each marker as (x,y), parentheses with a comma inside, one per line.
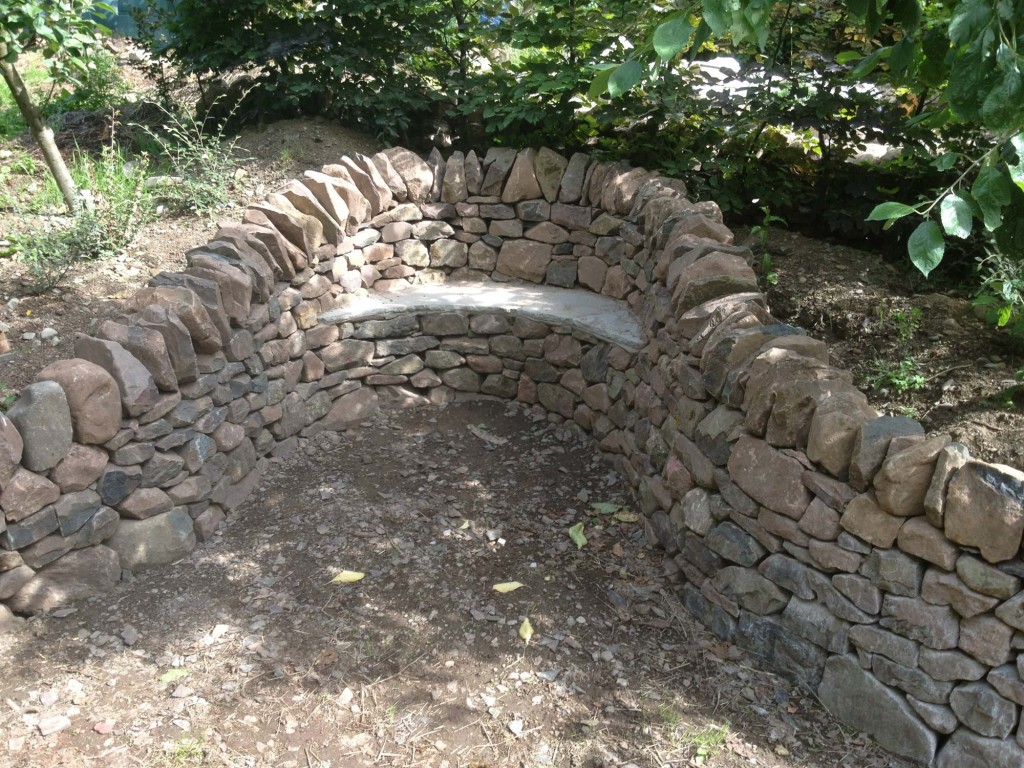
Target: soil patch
(245,654)
(876,318)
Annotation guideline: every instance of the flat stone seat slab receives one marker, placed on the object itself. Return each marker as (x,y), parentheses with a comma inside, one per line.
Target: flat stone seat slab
(603,317)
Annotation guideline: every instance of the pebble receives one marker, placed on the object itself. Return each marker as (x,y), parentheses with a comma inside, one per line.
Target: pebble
(50,725)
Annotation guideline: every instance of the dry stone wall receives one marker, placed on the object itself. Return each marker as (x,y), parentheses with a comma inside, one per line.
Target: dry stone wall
(877,565)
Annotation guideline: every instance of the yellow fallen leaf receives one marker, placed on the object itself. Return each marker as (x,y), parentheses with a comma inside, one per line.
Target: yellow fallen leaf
(507,586)
(526,630)
(626,517)
(464,526)
(347,577)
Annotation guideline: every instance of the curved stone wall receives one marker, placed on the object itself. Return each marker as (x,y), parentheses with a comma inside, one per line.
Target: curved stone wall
(878,565)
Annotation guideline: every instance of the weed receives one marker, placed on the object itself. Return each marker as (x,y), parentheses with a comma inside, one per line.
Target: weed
(99,88)
(907,324)
(760,231)
(705,742)
(771,277)
(117,204)
(202,163)
(905,377)
(7,397)
(185,752)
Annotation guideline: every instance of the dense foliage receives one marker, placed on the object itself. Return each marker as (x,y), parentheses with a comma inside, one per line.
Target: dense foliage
(813,85)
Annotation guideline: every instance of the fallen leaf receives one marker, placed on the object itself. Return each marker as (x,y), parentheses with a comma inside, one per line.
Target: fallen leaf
(617,550)
(526,630)
(464,526)
(486,436)
(173,674)
(348,577)
(605,508)
(507,586)
(576,534)
(627,517)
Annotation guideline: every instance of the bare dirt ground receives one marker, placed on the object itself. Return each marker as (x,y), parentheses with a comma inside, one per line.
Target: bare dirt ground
(245,653)
(873,316)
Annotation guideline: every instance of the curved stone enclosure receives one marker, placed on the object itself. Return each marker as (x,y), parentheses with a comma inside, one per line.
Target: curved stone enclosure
(877,565)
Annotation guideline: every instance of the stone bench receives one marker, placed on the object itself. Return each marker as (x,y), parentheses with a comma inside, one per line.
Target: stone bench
(582,311)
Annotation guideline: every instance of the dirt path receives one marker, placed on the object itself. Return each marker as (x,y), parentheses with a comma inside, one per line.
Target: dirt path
(245,655)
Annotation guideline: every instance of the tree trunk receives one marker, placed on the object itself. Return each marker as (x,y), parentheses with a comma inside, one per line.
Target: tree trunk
(40,132)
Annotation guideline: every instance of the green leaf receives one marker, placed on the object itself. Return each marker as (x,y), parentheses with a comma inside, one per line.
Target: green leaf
(718,15)
(902,56)
(991,191)
(867,64)
(847,56)
(576,534)
(956,215)
(907,14)
(1004,105)
(946,161)
(173,674)
(672,36)
(624,77)
(890,211)
(606,507)
(926,247)
(599,85)
(969,20)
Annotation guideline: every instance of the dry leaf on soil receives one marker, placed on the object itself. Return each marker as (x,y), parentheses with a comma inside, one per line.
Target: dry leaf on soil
(348,577)
(506,586)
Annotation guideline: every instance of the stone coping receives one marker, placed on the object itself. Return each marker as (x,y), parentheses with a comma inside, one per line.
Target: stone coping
(606,318)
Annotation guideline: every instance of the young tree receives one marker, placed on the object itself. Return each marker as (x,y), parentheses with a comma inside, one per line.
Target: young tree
(67,33)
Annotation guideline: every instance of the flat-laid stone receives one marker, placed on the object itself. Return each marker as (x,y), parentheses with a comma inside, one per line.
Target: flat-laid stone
(524,259)
(820,521)
(1007,682)
(859,591)
(750,590)
(43,419)
(950,665)
(813,621)
(163,538)
(351,409)
(734,544)
(894,647)
(911,680)
(605,318)
(75,509)
(941,588)
(938,717)
(984,578)
(859,700)
(920,538)
(985,509)
(25,494)
(77,575)
(894,572)
(864,517)
(983,710)
(966,749)
(987,639)
(935,626)
(769,477)
(79,469)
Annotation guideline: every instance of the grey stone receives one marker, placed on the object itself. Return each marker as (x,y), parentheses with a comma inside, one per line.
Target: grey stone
(164,538)
(969,750)
(985,579)
(932,625)
(910,680)
(138,390)
(813,621)
(43,419)
(892,571)
(79,574)
(938,717)
(859,700)
(875,640)
(985,509)
(872,443)
(983,710)
(92,397)
(750,590)
(734,544)
(950,665)
(950,459)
